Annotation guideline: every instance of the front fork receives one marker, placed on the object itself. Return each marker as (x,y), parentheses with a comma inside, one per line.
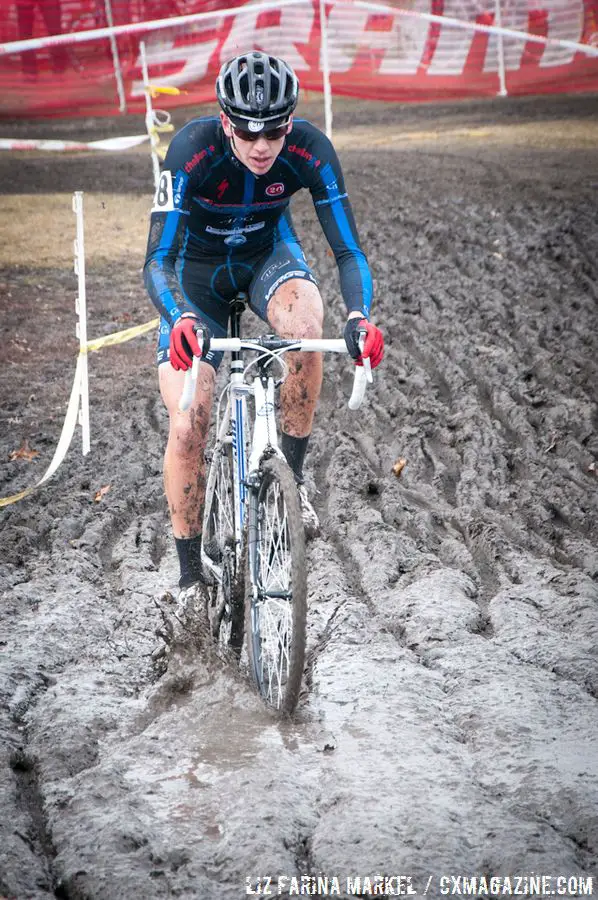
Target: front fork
(265,443)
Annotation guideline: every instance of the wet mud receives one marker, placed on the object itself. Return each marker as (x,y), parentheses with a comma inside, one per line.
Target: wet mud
(449,724)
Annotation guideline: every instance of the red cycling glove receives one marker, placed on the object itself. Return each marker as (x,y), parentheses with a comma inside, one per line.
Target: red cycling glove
(185,337)
(374,341)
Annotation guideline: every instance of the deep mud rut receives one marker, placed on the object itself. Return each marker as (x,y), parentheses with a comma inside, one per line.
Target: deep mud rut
(449,726)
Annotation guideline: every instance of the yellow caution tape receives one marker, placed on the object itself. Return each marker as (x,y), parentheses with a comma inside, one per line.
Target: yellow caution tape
(162,129)
(119,337)
(6,501)
(70,421)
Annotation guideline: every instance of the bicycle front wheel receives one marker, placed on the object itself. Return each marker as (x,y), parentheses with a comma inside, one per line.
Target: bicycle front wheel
(276,587)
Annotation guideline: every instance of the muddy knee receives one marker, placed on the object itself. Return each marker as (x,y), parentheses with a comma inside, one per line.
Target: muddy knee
(296,310)
(188,434)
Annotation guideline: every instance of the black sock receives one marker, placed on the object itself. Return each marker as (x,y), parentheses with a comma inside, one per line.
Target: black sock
(189,551)
(294,449)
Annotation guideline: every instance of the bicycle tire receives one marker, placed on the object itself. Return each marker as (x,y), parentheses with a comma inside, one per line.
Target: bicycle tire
(276,587)
(225,593)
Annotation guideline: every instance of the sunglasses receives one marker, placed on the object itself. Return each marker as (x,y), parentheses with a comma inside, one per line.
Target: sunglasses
(273,134)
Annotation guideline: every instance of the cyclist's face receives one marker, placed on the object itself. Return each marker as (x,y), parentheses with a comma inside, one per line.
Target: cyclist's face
(259,155)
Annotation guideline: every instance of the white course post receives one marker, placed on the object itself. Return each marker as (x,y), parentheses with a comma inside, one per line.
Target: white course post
(326,70)
(81,330)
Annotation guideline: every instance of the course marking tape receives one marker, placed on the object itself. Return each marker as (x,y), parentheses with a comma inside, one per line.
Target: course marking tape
(66,436)
(115,144)
(70,421)
(119,337)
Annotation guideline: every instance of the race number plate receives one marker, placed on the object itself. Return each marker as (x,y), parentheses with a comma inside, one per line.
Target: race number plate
(164,198)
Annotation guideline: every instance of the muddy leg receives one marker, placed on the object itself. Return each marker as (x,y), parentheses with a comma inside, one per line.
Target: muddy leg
(296,310)
(184,464)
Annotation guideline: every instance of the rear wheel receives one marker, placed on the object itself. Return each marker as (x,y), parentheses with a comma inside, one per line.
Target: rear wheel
(225,588)
(276,587)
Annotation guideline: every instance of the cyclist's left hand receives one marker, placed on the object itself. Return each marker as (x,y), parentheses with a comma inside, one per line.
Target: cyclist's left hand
(374,341)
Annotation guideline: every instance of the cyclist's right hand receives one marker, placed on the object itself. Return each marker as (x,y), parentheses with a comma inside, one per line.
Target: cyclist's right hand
(189,337)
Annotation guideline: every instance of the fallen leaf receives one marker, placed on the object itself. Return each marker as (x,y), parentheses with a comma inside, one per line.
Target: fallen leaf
(101,493)
(399,466)
(24,452)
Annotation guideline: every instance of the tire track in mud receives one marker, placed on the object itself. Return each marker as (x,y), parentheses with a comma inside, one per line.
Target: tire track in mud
(451,716)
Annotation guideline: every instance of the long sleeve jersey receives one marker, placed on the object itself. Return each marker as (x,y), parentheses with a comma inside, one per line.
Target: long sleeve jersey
(209,206)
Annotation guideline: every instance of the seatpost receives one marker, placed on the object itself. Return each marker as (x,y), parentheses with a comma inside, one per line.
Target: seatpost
(236,310)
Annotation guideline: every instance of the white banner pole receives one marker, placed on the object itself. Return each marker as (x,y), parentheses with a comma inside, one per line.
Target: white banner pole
(149,115)
(326,70)
(501,51)
(120,87)
(81,330)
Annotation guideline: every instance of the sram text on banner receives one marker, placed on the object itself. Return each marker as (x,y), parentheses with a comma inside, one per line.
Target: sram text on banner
(442,49)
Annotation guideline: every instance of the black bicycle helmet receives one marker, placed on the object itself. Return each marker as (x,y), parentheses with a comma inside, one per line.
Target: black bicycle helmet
(257,91)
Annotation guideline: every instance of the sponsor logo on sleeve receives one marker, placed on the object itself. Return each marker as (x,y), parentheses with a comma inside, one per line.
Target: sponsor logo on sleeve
(198,157)
(179,186)
(304,154)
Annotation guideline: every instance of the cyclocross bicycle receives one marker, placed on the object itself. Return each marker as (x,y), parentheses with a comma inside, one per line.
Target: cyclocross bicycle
(253,547)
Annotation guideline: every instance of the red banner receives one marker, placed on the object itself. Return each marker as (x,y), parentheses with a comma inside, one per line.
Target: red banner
(385,55)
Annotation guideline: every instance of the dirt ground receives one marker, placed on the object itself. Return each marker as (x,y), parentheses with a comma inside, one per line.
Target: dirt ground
(450,720)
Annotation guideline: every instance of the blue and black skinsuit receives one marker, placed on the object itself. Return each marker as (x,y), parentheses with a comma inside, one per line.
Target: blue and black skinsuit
(216,228)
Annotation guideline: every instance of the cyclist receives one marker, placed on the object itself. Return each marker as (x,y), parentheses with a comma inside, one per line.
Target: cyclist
(220,223)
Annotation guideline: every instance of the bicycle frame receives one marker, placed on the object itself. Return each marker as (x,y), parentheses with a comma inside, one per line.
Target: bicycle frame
(234,425)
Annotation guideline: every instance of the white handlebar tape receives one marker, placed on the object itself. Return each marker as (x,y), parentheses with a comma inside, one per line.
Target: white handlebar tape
(359,385)
(189,385)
